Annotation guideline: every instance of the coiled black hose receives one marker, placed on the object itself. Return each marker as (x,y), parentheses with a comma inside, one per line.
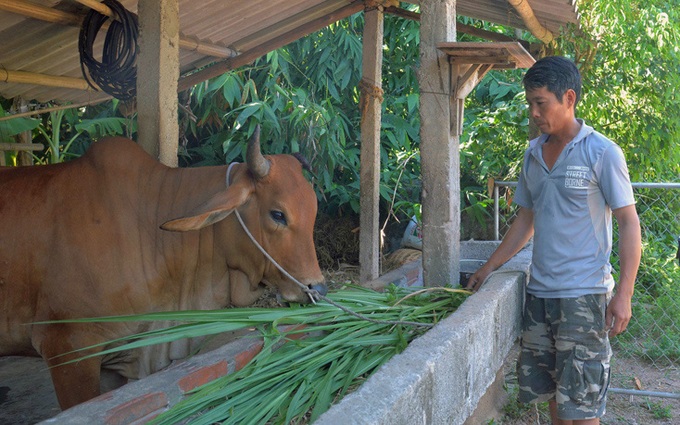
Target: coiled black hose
(116,74)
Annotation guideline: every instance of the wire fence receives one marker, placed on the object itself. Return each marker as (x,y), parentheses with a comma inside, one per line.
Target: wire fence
(653,335)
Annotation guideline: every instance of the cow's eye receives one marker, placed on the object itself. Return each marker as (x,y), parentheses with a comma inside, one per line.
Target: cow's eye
(278,217)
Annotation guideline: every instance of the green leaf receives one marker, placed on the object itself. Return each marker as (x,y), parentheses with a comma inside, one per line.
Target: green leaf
(15,126)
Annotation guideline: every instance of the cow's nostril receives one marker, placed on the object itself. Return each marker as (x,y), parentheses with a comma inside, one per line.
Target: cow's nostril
(320,288)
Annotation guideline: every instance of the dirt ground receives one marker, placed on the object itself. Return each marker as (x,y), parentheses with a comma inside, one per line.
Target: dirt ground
(26,393)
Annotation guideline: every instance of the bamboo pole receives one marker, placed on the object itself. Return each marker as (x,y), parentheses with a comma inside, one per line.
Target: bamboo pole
(40,12)
(18,147)
(55,16)
(24,77)
(529,18)
(21,147)
(99,7)
(52,109)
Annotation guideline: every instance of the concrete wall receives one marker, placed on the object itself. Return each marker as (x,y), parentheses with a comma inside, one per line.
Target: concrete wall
(441,376)
(438,379)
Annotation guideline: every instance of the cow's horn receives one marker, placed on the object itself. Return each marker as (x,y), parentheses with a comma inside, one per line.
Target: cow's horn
(257,163)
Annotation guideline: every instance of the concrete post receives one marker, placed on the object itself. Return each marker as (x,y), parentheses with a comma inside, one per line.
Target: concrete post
(371,100)
(157,76)
(439,147)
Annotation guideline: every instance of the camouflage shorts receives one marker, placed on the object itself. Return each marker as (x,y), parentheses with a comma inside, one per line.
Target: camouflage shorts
(565,354)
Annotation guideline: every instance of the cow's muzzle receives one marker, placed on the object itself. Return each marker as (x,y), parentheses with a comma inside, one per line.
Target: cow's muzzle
(320,288)
(316,292)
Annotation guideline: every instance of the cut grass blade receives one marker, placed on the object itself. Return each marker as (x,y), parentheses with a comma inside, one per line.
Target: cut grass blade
(293,379)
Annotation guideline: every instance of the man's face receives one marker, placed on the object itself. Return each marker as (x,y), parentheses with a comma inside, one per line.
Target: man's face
(548,113)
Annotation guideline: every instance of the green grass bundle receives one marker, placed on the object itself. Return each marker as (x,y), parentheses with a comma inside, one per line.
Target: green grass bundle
(294,380)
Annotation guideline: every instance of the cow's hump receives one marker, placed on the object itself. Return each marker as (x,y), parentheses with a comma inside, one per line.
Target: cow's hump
(118,150)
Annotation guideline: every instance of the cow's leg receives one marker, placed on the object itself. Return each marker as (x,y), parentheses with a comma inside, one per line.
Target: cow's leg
(75,382)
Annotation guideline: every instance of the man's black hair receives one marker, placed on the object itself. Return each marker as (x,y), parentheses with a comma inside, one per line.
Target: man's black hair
(558,74)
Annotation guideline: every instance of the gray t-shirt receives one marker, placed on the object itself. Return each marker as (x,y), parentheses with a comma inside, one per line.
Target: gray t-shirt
(572,206)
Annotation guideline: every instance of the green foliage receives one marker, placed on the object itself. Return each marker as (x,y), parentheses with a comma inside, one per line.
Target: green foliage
(11,128)
(654,332)
(630,57)
(67,133)
(659,410)
(295,96)
(306,97)
(323,353)
(70,122)
(513,410)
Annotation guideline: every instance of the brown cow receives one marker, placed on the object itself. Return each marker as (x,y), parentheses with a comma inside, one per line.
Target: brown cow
(84,239)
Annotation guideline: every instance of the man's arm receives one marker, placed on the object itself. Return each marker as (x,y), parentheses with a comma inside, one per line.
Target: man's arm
(520,232)
(619,310)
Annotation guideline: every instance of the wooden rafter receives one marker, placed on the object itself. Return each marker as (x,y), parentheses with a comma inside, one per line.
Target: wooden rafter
(500,54)
(461,28)
(471,61)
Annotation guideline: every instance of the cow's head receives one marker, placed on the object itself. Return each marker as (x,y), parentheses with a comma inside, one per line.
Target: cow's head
(278,207)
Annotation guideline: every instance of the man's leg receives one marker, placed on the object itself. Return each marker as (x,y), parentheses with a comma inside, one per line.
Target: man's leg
(536,363)
(557,421)
(583,355)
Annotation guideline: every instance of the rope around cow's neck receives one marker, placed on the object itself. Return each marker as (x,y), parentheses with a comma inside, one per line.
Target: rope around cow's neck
(312,293)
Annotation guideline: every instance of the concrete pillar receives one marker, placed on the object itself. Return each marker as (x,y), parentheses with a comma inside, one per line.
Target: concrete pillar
(157,76)
(439,147)
(371,94)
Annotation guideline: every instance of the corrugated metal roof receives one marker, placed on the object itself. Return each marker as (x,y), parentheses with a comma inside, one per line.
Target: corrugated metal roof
(246,27)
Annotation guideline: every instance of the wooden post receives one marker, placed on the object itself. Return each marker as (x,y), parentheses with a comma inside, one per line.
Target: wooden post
(439,147)
(25,158)
(371,102)
(157,76)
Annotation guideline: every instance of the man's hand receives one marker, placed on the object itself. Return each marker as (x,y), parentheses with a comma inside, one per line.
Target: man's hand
(520,232)
(619,312)
(476,280)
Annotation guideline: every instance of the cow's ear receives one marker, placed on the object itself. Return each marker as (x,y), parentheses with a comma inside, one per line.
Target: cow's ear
(195,222)
(215,209)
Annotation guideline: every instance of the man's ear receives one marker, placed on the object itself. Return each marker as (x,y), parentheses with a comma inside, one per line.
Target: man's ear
(570,98)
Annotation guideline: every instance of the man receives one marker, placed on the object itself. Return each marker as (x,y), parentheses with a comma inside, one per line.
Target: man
(572,180)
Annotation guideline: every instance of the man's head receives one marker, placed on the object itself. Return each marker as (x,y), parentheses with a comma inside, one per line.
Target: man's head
(553,87)
(555,73)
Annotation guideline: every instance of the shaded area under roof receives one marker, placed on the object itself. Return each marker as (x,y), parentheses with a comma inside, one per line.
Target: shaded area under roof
(211,31)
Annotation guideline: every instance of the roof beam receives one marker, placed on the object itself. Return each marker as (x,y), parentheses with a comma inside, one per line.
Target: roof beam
(529,18)
(41,13)
(47,14)
(24,77)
